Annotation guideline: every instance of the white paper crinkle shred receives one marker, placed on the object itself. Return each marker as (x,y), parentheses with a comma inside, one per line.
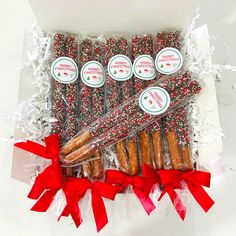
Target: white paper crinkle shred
(34,115)
(196,61)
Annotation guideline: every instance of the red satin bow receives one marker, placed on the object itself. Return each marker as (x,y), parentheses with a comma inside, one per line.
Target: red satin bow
(50,180)
(141,185)
(75,189)
(171,180)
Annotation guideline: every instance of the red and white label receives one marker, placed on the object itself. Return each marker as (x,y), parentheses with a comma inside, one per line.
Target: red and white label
(168,61)
(144,67)
(92,74)
(120,68)
(64,70)
(154,100)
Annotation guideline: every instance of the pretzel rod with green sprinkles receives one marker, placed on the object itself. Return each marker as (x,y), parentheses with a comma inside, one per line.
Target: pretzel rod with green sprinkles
(127,90)
(119,114)
(155,130)
(98,93)
(112,86)
(126,87)
(114,47)
(155,138)
(137,49)
(148,50)
(141,45)
(86,48)
(98,107)
(59,47)
(171,126)
(170,130)
(71,123)
(175,39)
(136,123)
(127,156)
(182,131)
(71,98)
(85,118)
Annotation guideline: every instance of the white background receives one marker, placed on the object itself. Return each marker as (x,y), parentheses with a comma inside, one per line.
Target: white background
(15,217)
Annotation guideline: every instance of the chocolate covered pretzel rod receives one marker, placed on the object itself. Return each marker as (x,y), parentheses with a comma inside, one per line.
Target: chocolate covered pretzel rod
(127,91)
(138,48)
(119,114)
(157,146)
(162,41)
(155,131)
(85,118)
(59,47)
(182,132)
(169,127)
(98,107)
(71,98)
(139,120)
(113,101)
(173,40)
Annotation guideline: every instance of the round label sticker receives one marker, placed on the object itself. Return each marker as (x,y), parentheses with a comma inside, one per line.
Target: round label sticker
(168,61)
(144,67)
(120,68)
(64,70)
(92,74)
(154,100)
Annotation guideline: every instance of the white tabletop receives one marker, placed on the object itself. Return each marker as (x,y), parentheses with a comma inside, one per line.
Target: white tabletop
(15,216)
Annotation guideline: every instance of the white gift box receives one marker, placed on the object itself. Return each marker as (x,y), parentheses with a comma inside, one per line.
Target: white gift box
(121,16)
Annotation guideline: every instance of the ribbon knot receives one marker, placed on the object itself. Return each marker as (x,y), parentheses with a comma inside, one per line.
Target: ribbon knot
(172,179)
(75,188)
(50,180)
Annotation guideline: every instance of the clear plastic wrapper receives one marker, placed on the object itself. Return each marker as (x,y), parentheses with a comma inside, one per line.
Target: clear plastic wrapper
(126,119)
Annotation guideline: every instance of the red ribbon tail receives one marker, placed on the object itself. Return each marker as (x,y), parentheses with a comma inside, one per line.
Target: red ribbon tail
(178,204)
(99,211)
(76,215)
(74,211)
(45,201)
(33,147)
(40,184)
(201,196)
(65,212)
(146,201)
(176,201)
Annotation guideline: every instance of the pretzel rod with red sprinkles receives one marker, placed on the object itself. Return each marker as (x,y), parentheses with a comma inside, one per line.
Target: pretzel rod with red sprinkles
(137,50)
(71,123)
(142,45)
(112,86)
(86,50)
(71,98)
(139,120)
(164,39)
(98,107)
(59,47)
(172,139)
(182,131)
(181,118)
(173,39)
(114,47)
(156,136)
(119,114)
(127,90)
